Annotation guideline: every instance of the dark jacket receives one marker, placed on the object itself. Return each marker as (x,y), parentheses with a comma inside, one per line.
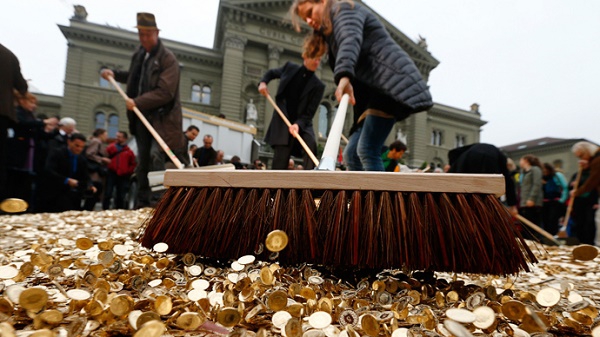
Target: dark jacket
(361,48)
(205,156)
(122,162)
(59,168)
(309,101)
(483,158)
(10,78)
(159,97)
(26,130)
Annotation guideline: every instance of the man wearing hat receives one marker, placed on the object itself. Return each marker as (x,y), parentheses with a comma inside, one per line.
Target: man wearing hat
(153,87)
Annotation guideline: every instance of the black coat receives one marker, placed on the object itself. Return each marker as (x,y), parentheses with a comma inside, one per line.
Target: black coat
(58,168)
(483,158)
(26,129)
(10,78)
(309,101)
(361,48)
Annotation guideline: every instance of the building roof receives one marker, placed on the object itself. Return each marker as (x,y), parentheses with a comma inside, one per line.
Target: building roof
(539,142)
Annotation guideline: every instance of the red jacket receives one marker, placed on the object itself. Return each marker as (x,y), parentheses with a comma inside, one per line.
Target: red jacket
(121,162)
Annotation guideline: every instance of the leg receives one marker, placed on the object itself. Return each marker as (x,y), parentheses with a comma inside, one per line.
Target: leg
(110,186)
(122,186)
(350,154)
(312,145)
(281,157)
(374,132)
(157,156)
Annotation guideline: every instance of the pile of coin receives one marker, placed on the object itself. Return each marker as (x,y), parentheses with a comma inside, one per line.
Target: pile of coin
(84,274)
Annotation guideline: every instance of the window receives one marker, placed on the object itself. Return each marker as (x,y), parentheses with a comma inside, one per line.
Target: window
(460,140)
(196,93)
(111,124)
(206,94)
(323,121)
(436,137)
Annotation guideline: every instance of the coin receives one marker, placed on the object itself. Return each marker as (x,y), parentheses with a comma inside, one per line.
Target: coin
(513,310)
(236,266)
(484,317)
(348,317)
(106,257)
(293,328)
(6,306)
(577,306)
(548,297)
(585,252)
(188,259)
(13,205)
(280,319)
(121,250)
(94,307)
(266,275)
(163,305)
(151,329)
(52,316)
(8,272)
(200,284)
(456,328)
(228,317)
(246,259)
(384,298)
(277,300)
(84,243)
(276,240)
(146,317)
(133,317)
(189,321)
(78,294)
(197,294)
(369,325)
(160,247)
(460,315)
(33,299)
(121,305)
(315,280)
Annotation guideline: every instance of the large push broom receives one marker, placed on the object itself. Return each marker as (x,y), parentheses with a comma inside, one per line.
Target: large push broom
(441,222)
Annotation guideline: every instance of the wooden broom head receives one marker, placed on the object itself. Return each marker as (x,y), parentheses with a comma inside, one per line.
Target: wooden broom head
(442,222)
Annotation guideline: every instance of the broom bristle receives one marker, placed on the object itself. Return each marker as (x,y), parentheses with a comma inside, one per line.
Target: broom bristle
(347,229)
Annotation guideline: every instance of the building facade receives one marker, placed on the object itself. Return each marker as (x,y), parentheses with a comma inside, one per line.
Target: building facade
(250,38)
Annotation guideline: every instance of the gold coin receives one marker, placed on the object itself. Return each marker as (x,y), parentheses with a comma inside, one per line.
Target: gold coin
(276,241)
(106,245)
(293,327)
(42,333)
(369,325)
(115,267)
(6,306)
(121,305)
(295,309)
(188,259)
(26,269)
(277,300)
(33,299)
(163,305)
(84,243)
(325,304)
(228,317)
(89,278)
(308,293)
(94,307)
(585,252)
(54,270)
(384,298)
(13,205)
(52,316)
(189,321)
(513,310)
(162,263)
(151,329)
(147,317)
(147,259)
(266,275)
(106,257)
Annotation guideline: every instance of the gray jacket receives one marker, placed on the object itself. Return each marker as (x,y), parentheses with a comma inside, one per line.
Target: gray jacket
(360,47)
(531,186)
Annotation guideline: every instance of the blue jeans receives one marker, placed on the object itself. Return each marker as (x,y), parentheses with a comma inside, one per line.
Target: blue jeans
(363,151)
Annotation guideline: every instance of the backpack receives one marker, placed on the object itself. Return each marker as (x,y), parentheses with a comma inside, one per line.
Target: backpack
(552,189)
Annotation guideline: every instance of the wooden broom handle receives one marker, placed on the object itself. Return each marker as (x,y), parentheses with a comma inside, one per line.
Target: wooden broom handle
(572,198)
(296,135)
(155,134)
(538,229)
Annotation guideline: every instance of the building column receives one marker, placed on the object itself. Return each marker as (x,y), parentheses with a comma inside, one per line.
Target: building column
(274,55)
(233,72)
(418,138)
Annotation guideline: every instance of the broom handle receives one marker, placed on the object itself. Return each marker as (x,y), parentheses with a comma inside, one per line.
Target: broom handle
(295,134)
(158,138)
(572,198)
(333,139)
(538,229)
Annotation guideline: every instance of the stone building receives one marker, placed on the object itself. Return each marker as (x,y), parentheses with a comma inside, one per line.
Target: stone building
(250,38)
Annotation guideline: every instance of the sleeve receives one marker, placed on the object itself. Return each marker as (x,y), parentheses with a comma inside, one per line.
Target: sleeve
(91,152)
(536,184)
(562,182)
(593,181)
(348,30)
(273,74)
(121,76)
(509,183)
(52,168)
(166,88)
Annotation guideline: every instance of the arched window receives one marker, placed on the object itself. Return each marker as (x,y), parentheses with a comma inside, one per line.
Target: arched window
(103,83)
(113,125)
(196,93)
(323,121)
(100,120)
(206,94)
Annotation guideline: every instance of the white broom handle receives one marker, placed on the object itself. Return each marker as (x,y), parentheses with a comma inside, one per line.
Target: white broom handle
(332,146)
(155,134)
(296,135)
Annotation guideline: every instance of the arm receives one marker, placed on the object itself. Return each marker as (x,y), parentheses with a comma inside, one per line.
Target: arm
(536,184)
(305,117)
(348,29)
(91,153)
(564,185)
(593,181)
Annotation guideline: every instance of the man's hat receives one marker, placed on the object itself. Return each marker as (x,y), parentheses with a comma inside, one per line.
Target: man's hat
(146,21)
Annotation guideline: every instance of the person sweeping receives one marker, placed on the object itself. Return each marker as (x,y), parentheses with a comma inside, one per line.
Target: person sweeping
(383,82)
